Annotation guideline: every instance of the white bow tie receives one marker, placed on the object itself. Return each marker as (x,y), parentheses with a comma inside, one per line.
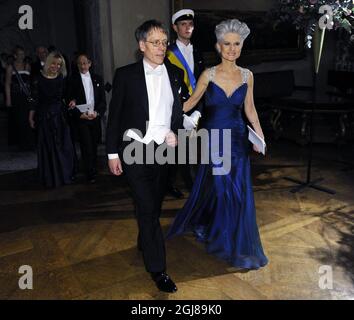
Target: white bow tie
(156,72)
(189,48)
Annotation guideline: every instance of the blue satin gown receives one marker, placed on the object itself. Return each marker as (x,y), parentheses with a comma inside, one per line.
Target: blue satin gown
(220,209)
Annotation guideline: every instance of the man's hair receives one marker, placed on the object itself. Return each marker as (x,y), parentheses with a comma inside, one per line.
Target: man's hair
(41,47)
(142,31)
(82,54)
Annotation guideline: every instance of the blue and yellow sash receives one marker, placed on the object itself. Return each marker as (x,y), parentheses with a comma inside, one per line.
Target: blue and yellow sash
(176,57)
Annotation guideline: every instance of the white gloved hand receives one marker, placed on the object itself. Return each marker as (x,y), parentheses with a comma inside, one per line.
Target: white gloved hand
(195,116)
(188,123)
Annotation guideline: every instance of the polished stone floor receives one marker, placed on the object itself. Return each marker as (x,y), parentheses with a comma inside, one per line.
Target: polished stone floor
(80,240)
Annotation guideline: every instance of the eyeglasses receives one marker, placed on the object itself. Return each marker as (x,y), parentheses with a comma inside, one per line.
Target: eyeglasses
(157,43)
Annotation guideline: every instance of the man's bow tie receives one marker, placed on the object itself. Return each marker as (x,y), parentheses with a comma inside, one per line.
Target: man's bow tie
(157,72)
(189,48)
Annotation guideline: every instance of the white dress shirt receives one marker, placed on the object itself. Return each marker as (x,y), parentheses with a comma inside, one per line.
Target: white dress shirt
(160,99)
(88,87)
(187,52)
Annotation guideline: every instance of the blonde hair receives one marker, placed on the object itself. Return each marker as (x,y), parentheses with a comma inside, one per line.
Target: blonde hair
(51,57)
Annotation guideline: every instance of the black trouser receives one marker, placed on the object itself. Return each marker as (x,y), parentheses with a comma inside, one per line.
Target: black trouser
(186,170)
(89,131)
(148,182)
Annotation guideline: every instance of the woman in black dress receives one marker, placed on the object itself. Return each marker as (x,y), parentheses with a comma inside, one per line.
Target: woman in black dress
(18,75)
(55,147)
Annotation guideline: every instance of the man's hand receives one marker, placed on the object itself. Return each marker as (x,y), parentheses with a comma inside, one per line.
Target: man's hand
(84,116)
(115,166)
(72,104)
(92,115)
(171,139)
(88,116)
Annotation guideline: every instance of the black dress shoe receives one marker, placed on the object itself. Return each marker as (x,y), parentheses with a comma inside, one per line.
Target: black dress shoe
(173,191)
(163,282)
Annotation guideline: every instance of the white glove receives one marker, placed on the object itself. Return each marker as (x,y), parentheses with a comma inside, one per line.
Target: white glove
(195,117)
(188,123)
(191,122)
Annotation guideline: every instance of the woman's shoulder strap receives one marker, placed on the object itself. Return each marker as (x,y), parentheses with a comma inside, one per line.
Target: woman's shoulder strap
(211,73)
(245,73)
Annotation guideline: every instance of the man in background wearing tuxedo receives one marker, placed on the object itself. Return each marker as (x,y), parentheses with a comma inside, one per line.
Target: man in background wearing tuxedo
(87,88)
(37,66)
(145,100)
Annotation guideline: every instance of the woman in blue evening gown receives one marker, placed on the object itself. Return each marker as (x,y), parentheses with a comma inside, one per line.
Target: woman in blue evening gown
(220,209)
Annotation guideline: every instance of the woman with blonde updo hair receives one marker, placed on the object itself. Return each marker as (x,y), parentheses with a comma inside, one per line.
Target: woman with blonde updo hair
(220,209)
(55,148)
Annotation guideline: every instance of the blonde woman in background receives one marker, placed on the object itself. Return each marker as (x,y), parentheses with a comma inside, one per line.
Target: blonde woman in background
(55,148)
